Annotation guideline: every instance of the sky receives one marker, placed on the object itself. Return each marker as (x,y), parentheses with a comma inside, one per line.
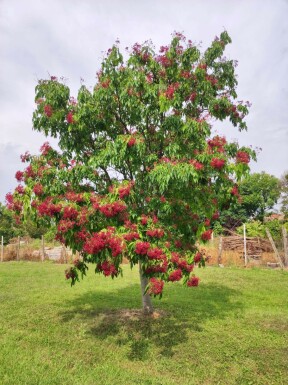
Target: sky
(67,38)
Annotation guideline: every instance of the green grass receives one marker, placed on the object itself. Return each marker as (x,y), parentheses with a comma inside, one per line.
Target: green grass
(232,329)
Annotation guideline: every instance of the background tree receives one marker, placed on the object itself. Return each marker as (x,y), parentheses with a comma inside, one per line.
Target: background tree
(139,173)
(259,193)
(8,228)
(284,194)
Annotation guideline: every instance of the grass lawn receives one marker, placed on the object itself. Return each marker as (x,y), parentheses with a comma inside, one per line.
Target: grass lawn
(232,329)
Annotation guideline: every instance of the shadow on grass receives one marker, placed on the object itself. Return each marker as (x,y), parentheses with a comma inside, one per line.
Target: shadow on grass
(180,314)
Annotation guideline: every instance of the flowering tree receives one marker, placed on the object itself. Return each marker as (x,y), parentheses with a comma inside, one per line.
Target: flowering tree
(139,174)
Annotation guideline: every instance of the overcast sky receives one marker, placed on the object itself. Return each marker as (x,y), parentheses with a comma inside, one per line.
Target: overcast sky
(67,38)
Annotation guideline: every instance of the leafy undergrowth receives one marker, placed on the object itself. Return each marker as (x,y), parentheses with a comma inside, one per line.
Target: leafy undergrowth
(232,329)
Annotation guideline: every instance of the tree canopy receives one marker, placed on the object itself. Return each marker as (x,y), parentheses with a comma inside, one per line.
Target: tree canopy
(139,173)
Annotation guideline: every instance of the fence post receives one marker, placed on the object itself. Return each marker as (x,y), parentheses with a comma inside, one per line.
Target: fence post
(220,250)
(18,249)
(2,248)
(245,246)
(42,248)
(285,244)
(274,248)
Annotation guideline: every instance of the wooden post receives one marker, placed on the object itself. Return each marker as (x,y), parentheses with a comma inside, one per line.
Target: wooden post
(18,249)
(220,250)
(2,248)
(274,248)
(285,244)
(245,246)
(64,254)
(42,248)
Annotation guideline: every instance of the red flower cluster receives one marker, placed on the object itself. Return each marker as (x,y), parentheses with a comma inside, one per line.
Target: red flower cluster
(29,173)
(155,286)
(112,209)
(48,111)
(20,190)
(181,263)
(70,118)
(70,213)
(197,257)
(156,233)
(45,148)
(74,197)
(144,219)
(107,268)
(25,157)
(206,235)
(197,165)
(217,141)
(131,141)
(211,79)
(217,163)
(81,236)
(242,157)
(48,208)
(19,176)
(156,268)
(103,239)
(215,216)
(124,191)
(156,253)
(106,83)
(163,60)
(171,89)
(234,191)
(142,248)
(207,222)
(131,236)
(176,275)
(193,281)
(69,273)
(64,226)
(38,189)
(12,203)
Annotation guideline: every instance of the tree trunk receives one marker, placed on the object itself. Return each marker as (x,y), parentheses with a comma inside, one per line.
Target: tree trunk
(146,299)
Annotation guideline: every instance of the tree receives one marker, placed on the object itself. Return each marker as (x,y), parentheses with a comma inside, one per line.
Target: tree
(284,194)
(139,173)
(7,225)
(259,193)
